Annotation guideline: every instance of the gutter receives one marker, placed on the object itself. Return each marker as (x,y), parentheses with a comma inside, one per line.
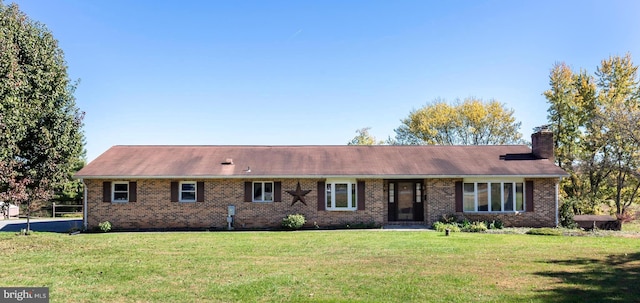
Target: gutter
(84,205)
(357,176)
(557,210)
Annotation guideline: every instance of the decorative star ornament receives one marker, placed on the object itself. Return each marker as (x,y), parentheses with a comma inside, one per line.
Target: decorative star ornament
(298,194)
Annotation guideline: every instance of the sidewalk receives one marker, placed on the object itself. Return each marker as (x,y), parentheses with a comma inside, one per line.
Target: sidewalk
(58,225)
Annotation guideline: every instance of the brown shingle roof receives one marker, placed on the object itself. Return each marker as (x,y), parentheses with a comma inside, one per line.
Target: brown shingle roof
(320,161)
(301,161)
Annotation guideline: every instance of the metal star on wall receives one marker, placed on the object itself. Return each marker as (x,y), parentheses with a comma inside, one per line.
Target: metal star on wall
(298,194)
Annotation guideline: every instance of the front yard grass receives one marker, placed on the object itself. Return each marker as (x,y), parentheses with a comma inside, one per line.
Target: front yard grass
(633,226)
(327,266)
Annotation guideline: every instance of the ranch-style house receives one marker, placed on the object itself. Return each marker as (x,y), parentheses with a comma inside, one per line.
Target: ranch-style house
(212,187)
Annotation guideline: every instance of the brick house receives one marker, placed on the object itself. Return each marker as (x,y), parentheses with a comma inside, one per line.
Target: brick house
(194,186)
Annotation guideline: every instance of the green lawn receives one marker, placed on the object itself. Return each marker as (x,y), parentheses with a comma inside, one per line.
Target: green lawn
(326,266)
(631,226)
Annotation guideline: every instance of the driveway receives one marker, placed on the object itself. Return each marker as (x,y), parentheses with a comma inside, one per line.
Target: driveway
(57,225)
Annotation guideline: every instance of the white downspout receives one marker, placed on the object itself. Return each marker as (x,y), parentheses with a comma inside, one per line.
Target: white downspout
(84,206)
(557,219)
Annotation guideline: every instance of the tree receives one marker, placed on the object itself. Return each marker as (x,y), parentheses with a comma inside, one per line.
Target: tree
(41,128)
(69,192)
(364,138)
(618,96)
(572,99)
(595,121)
(470,122)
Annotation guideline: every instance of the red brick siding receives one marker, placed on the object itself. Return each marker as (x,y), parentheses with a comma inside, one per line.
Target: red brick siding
(441,201)
(441,198)
(154,208)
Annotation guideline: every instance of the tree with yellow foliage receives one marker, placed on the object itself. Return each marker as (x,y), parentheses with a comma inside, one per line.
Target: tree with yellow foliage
(595,123)
(469,122)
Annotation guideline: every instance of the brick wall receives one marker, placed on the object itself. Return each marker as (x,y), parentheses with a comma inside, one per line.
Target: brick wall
(441,201)
(441,198)
(154,209)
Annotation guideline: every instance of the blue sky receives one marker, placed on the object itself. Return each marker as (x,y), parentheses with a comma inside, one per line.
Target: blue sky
(312,72)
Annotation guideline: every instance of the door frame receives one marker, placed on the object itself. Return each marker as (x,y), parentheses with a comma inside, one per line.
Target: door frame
(392,202)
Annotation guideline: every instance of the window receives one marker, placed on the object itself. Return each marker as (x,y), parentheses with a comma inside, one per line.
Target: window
(469,197)
(519,196)
(341,195)
(507,196)
(493,196)
(496,195)
(262,191)
(188,191)
(483,196)
(120,191)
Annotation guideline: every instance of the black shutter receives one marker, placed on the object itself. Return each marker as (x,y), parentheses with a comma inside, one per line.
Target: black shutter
(321,193)
(200,191)
(133,191)
(174,191)
(277,191)
(361,195)
(529,195)
(459,196)
(248,191)
(106,191)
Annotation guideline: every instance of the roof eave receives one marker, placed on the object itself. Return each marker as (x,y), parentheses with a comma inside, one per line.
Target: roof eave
(249,176)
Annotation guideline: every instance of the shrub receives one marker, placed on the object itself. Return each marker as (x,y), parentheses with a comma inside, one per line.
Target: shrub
(452,218)
(628,216)
(293,222)
(477,226)
(440,226)
(565,214)
(104,226)
(496,224)
(544,231)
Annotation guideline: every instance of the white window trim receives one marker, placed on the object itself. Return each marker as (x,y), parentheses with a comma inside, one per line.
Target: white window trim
(490,181)
(113,191)
(352,186)
(195,191)
(263,183)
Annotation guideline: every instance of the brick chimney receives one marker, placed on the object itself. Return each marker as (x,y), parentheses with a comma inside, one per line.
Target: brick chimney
(542,143)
